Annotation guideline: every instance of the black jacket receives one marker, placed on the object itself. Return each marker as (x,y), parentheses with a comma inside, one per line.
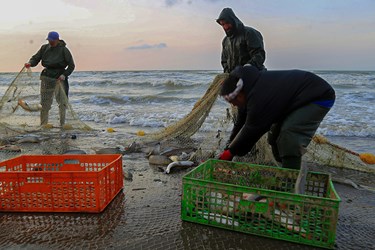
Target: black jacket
(271,96)
(243,46)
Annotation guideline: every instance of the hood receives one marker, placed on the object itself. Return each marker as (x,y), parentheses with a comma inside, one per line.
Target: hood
(249,74)
(228,15)
(61,43)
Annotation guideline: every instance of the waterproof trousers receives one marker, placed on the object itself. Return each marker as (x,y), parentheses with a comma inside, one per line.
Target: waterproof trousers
(51,87)
(290,137)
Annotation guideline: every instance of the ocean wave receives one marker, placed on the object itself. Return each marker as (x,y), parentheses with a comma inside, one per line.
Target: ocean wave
(158,98)
(129,100)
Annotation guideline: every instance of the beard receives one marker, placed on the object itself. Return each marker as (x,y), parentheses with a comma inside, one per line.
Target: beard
(229,33)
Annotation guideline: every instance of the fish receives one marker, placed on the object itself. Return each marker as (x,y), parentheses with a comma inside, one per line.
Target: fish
(29,107)
(133,147)
(301,180)
(102,151)
(10,148)
(30,139)
(178,164)
(182,157)
(219,218)
(286,220)
(222,203)
(155,150)
(252,197)
(159,160)
(177,151)
(74,152)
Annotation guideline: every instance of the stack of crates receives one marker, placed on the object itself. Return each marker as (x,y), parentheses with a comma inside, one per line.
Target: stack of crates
(60,183)
(260,200)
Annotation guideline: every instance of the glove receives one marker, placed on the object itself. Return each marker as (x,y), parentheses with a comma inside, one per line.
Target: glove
(226,155)
(27,65)
(61,78)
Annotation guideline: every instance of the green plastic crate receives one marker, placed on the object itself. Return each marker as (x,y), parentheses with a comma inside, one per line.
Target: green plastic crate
(260,200)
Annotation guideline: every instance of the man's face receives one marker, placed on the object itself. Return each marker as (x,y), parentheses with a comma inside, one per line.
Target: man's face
(226,26)
(53,43)
(239,100)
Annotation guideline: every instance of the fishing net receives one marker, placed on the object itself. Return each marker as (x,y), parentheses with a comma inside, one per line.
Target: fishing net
(21,109)
(20,113)
(209,143)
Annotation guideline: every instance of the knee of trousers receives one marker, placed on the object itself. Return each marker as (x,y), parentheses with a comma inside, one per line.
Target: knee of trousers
(290,144)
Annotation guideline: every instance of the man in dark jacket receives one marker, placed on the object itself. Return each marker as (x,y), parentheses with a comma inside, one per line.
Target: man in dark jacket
(241,45)
(289,104)
(58,64)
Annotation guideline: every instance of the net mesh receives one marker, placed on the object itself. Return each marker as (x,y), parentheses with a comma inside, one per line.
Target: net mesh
(21,109)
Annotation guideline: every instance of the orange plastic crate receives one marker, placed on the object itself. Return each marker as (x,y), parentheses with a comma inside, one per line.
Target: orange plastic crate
(60,183)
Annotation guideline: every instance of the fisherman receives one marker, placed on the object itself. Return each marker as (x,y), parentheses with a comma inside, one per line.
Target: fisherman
(289,104)
(241,45)
(58,64)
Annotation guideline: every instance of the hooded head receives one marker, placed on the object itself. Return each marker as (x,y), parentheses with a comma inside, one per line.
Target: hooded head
(229,85)
(229,21)
(231,91)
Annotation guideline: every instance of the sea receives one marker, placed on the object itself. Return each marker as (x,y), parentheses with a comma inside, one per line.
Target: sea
(151,100)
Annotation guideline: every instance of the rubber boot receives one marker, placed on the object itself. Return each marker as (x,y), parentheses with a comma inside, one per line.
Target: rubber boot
(291,162)
(43,117)
(62,112)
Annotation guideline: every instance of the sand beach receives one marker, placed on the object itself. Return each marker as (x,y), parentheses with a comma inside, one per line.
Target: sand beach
(146,213)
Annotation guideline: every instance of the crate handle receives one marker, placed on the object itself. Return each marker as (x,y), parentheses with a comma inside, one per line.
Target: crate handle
(71,161)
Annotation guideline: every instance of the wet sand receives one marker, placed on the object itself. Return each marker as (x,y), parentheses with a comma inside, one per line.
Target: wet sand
(146,213)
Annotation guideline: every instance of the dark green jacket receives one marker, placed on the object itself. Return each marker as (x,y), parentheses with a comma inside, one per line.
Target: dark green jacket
(244,45)
(56,60)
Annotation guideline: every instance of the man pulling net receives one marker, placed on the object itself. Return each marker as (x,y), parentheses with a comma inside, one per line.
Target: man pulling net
(58,64)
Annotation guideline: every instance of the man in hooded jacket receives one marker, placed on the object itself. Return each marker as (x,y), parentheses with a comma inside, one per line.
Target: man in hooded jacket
(58,64)
(241,45)
(290,104)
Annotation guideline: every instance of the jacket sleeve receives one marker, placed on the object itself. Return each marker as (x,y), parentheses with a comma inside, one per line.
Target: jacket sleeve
(255,126)
(69,59)
(224,60)
(238,124)
(35,59)
(255,48)
(246,138)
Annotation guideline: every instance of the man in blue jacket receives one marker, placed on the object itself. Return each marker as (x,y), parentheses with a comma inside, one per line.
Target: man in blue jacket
(289,104)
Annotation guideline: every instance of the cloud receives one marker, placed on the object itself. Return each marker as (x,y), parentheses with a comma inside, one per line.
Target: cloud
(170,3)
(148,46)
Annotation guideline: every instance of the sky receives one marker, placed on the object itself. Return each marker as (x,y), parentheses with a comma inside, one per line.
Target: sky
(183,34)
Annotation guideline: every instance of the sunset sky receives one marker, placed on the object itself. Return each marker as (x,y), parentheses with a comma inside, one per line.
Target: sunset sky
(183,34)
